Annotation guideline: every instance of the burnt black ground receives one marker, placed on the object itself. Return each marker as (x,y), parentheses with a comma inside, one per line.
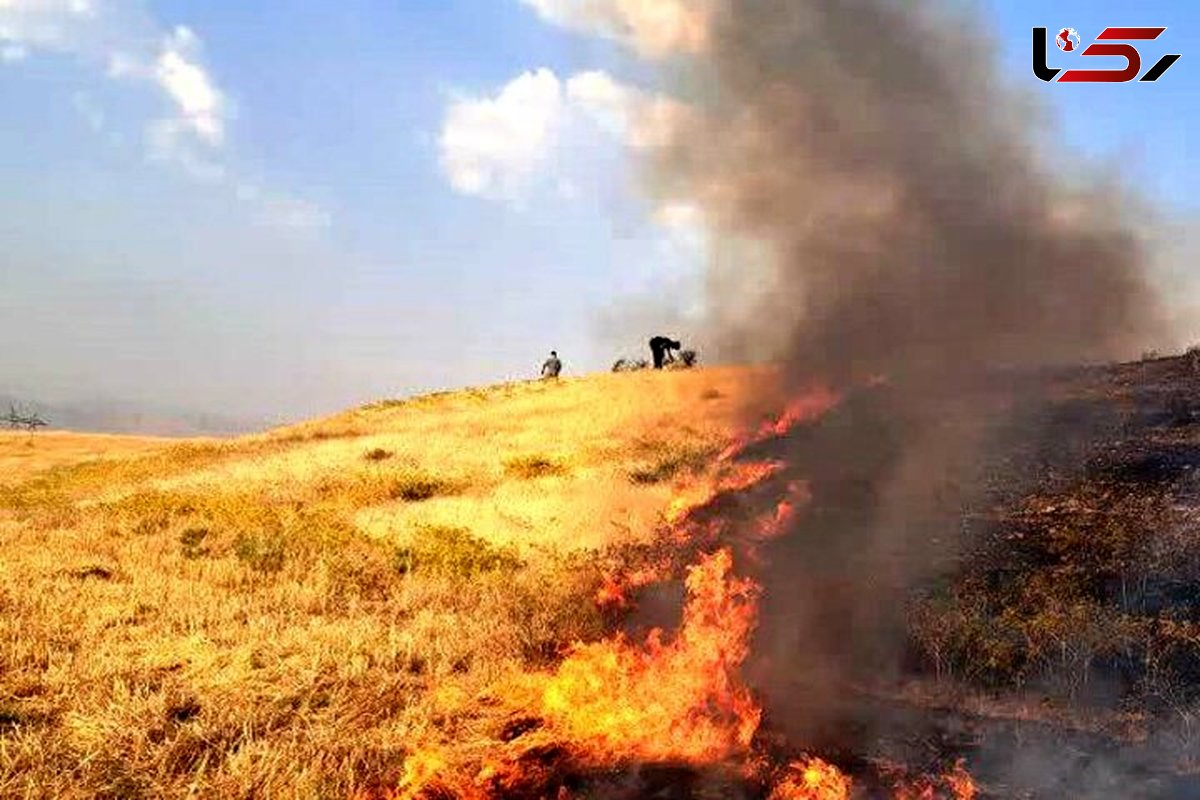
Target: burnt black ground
(1038,580)
(1034,537)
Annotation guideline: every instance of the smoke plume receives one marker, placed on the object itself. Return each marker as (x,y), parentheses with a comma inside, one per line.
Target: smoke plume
(881,207)
(889,185)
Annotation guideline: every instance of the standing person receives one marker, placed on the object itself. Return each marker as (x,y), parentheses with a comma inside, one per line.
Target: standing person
(660,348)
(552,366)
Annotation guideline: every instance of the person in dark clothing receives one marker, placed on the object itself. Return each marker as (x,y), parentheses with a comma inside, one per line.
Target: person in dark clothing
(552,367)
(661,347)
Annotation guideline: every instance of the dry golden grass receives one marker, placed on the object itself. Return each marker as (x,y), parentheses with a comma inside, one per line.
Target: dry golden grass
(22,454)
(290,614)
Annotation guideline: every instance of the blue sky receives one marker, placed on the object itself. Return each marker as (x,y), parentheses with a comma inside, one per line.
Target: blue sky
(1144,128)
(254,208)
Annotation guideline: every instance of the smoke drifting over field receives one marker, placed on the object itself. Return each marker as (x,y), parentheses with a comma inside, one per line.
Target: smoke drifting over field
(888,180)
(879,207)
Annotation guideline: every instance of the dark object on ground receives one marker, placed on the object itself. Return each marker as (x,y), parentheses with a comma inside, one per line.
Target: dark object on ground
(552,367)
(687,359)
(17,421)
(630,364)
(660,349)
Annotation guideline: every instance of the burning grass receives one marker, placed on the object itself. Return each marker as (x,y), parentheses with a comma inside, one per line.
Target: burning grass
(244,625)
(676,700)
(811,779)
(226,618)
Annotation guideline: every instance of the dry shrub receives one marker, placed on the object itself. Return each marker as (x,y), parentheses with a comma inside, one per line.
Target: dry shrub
(484,618)
(262,550)
(446,550)
(191,542)
(666,460)
(359,570)
(1043,637)
(552,605)
(533,466)
(378,487)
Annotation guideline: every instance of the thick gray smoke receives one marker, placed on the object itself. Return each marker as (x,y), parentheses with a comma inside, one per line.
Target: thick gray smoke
(895,217)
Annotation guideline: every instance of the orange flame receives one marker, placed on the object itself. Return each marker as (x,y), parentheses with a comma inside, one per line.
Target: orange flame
(677,698)
(918,790)
(773,524)
(680,700)
(961,783)
(957,785)
(613,593)
(808,406)
(427,774)
(614,590)
(737,478)
(748,475)
(812,779)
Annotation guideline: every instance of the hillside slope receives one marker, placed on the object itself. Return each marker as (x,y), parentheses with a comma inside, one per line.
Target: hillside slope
(23,454)
(288,614)
(341,607)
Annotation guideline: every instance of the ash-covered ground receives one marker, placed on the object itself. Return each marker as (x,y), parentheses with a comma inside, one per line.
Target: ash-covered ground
(1039,612)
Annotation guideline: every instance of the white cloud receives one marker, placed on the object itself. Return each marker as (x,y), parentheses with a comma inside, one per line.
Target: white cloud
(127,45)
(608,102)
(685,222)
(50,24)
(492,146)
(639,118)
(200,104)
(656,28)
(193,132)
(501,146)
(171,141)
(192,135)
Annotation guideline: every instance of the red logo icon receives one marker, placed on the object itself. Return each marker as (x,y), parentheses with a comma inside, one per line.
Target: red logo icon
(1067,40)
(1110,42)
